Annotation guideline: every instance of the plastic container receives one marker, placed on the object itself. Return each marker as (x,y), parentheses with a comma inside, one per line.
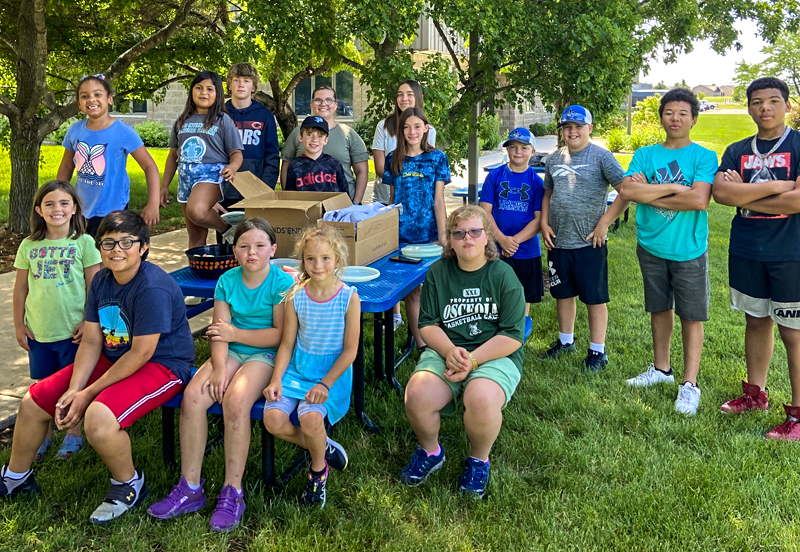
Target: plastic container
(211,261)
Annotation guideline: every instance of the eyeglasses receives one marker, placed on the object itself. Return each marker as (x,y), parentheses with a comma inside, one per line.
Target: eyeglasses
(97,76)
(459,235)
(326,101)
(124,243)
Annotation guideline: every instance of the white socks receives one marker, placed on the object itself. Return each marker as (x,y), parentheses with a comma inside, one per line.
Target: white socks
(598,347)
(566,339)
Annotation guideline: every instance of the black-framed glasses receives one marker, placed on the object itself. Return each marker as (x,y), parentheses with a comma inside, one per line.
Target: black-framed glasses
(124,243)
(326,101)
(97,76)
(459,235)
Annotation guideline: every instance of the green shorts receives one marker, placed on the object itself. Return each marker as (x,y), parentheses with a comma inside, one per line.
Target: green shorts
(266,358)
(502,371)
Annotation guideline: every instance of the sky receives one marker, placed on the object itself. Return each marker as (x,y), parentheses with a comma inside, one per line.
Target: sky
(704,66)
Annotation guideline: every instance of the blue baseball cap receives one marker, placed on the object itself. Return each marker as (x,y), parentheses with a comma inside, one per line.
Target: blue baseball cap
(521,135)
(313,121)
(576,114)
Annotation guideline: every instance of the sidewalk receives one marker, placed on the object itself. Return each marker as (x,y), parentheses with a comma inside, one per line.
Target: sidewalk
(167,251)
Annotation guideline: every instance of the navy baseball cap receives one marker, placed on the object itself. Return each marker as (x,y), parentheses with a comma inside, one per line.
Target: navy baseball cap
(576,114)
(521,135)
(313,121)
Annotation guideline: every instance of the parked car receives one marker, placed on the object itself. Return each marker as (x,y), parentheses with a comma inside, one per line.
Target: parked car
(704,105)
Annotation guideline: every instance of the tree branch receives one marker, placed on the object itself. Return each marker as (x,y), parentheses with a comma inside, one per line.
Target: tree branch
(9,42)
(7,108)
(447,44)
(309,71)
(156,39)
(354,64)
(153,89)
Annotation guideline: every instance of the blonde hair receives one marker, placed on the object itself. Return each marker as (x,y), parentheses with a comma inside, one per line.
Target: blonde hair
(464,213)
(324,233)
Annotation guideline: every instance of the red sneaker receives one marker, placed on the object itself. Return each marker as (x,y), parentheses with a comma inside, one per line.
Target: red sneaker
(753,399)
(790,429)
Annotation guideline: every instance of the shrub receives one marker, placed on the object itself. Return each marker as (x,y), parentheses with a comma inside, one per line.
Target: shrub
(646,135)
(793,117)
(366,129)
(489,131)
(552,127)
(647,111)
(57,136)
(153,134)
(618,140)
(538,129)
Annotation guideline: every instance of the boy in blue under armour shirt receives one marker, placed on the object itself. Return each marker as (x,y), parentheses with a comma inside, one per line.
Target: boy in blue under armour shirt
(512,198)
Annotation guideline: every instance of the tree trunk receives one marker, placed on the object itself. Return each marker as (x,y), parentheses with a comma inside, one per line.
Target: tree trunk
(284,115)
(24,151)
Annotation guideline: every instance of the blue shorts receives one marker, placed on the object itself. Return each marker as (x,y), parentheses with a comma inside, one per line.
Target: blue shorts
(288,405)
(46,359)
(190,174)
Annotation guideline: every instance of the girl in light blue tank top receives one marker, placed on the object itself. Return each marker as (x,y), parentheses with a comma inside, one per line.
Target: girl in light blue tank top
(313,369)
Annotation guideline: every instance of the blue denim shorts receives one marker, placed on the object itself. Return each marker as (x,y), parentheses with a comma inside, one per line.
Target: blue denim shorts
(190,174)
(46,359)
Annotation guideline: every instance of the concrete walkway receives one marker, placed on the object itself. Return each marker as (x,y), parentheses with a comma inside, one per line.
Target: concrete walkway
(167,251)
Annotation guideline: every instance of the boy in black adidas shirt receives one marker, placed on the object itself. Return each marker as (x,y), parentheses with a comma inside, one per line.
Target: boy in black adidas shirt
(758,175)
(315,171)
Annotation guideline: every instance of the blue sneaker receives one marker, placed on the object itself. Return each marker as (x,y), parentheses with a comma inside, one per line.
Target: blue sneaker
(476,477)
(421,466)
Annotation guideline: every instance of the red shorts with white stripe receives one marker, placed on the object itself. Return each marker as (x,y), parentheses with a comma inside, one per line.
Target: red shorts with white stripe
(143,391)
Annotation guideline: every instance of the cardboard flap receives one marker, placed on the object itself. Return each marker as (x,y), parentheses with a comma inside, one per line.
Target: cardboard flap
(346,229)
(339,201)
(379,223)
(249,185)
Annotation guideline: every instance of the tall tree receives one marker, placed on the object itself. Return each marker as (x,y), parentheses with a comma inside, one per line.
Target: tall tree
(783,60)
(46,45)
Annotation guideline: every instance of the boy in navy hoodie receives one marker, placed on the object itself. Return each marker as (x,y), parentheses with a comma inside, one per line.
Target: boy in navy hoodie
(256,126)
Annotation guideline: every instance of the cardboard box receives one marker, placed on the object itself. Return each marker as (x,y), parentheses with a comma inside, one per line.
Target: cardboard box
(372,239)
(290,213)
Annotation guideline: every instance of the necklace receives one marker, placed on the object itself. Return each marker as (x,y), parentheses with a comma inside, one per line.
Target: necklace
(754,147)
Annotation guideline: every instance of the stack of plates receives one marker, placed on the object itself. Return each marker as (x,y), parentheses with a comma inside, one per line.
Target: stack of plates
(423,251)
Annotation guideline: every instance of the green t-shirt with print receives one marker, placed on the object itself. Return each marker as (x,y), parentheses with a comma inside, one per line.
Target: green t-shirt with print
(56,285)
(473,307)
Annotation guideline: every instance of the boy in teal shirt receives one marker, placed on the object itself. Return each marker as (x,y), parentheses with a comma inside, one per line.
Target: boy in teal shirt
(671,182)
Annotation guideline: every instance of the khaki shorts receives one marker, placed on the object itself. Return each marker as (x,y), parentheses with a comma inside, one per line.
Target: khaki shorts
(502,371)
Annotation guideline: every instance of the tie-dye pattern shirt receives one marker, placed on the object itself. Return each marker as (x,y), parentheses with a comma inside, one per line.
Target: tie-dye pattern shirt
(101,158)
(415,188)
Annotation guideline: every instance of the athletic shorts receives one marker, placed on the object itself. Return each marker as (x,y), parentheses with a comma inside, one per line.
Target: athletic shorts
(502,371)
(529,273)
(579,272)
(766,288)
(45,359)
(679,285)
(266,358)
(288,405)
(191,174)
(129,399)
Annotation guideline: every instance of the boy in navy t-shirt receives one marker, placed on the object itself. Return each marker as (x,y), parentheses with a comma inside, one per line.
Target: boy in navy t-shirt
(315,171)
(512,198)
(136,354)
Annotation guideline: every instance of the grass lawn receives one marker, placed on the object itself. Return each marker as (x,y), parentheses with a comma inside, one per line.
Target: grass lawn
(716,132)
(582,462)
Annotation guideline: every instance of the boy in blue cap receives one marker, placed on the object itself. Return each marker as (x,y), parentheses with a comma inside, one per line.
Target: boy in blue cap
(574,228)
(315,171)
(512,198)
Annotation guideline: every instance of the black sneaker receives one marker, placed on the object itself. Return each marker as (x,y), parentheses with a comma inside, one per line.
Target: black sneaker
(335,455)
(27,487)
(595,361)
(557,348)
(315,490)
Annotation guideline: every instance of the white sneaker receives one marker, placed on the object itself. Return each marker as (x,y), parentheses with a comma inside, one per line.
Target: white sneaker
(651,377)
(227,236)
(688,399)
(397,323)
(119,499)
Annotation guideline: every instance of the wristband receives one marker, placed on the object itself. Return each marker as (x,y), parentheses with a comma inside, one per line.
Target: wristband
(322,383)
(474,362)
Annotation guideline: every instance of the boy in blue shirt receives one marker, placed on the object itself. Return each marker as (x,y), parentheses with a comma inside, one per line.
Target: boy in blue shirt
(671,182)
(513,194)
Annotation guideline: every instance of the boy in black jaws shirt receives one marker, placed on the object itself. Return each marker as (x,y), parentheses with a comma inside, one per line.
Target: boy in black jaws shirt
(758,176)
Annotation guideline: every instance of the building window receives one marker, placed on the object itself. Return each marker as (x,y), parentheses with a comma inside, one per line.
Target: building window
(342,82)
(133,106)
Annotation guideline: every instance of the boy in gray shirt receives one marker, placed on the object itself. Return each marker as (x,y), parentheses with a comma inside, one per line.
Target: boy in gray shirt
(574,227)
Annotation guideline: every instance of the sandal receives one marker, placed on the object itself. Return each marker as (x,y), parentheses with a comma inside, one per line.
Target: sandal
(70,447)
(43,448)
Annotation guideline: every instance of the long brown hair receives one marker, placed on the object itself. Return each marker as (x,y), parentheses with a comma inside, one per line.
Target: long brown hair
(216,111)
(467,212)
(324,233)
(399,155)
(392,122)
(77,224)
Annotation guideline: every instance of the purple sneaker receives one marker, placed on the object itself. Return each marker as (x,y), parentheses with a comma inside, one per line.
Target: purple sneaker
(230,507)
(181,500)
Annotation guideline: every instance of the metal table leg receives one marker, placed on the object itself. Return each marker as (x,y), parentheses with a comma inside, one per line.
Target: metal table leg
(358,384)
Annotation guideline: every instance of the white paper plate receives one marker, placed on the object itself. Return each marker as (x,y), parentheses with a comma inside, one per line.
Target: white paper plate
(233,217)
(422,251)
(292,263)
(358,274)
